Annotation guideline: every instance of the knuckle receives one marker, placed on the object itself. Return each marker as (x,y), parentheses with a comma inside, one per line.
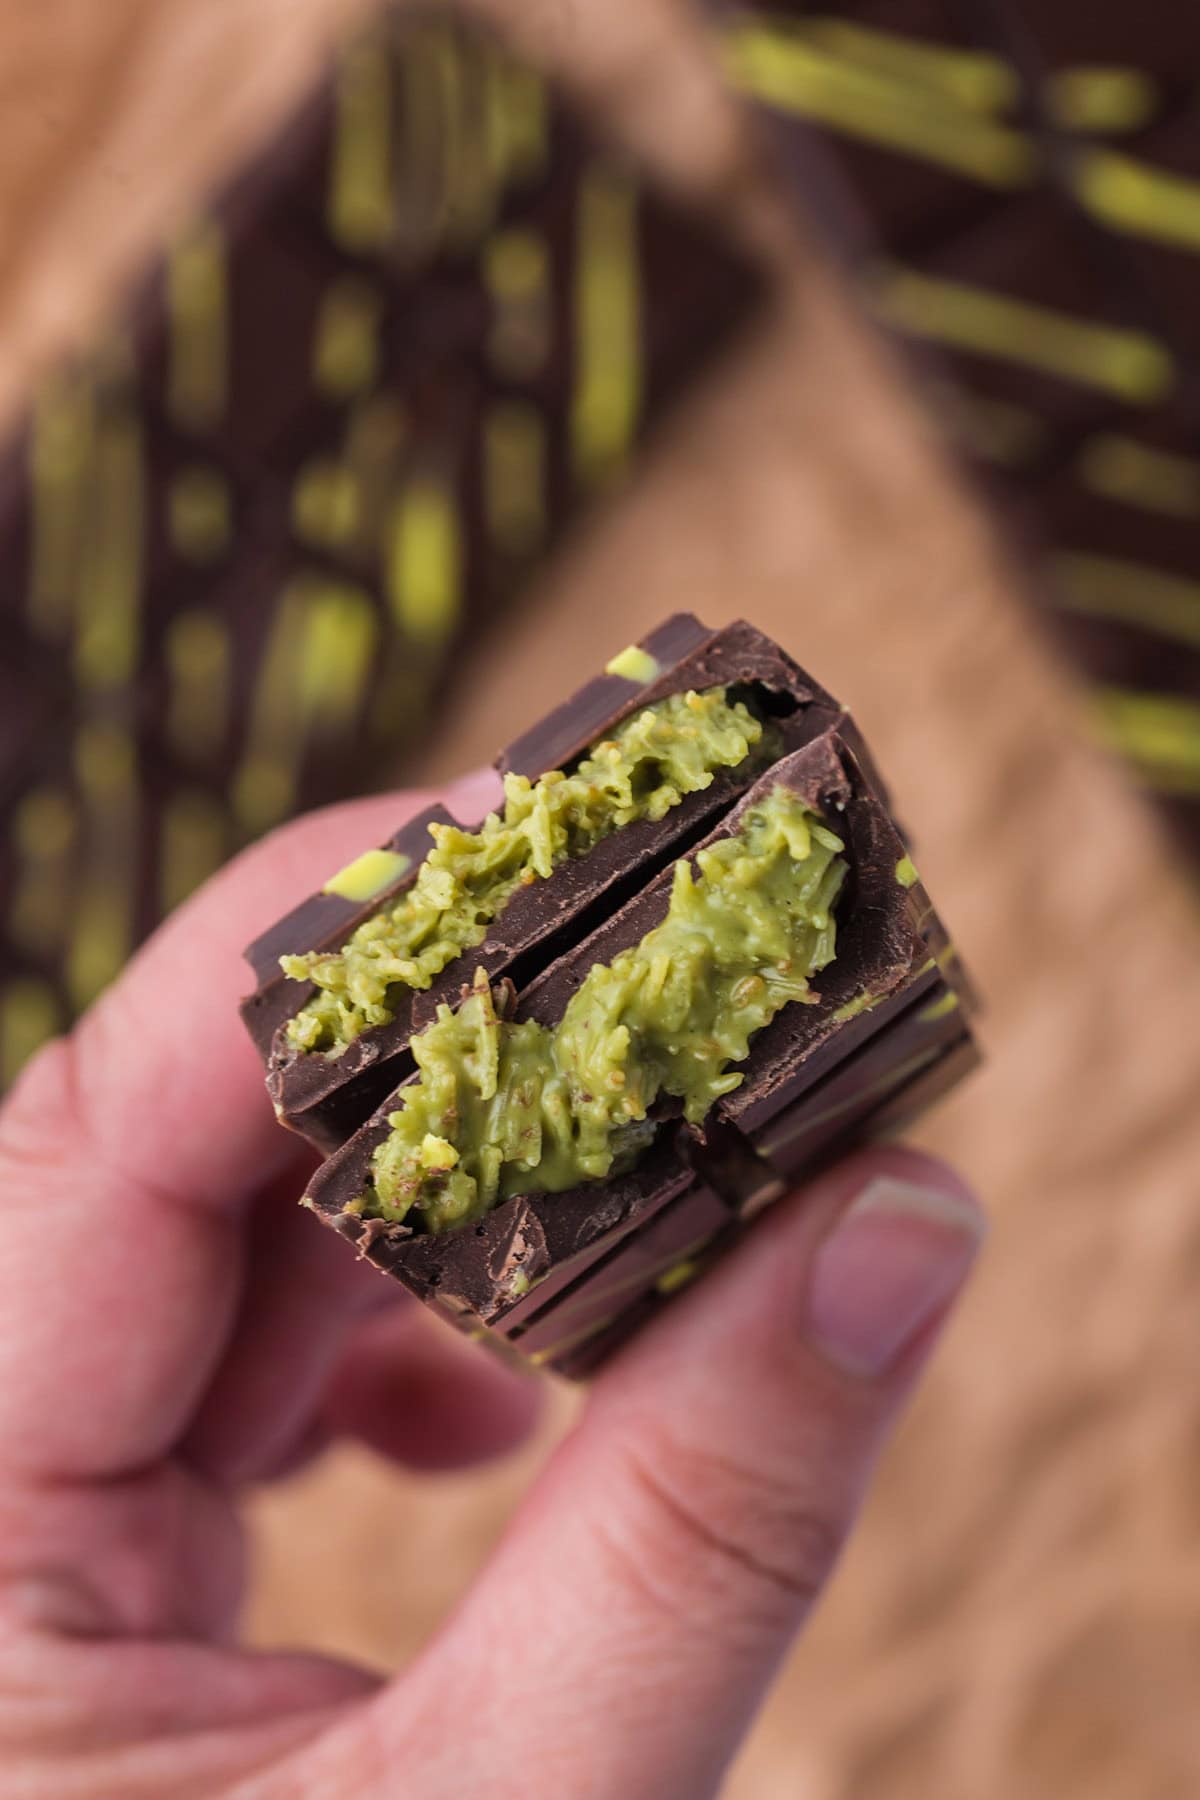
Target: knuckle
(707,1519)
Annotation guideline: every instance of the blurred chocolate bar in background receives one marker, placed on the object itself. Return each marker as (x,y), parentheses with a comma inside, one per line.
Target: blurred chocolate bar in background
(1016,185)
(350,410)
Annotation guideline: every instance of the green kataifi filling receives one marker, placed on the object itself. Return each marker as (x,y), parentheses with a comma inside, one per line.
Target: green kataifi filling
(646,767)
(502,1107)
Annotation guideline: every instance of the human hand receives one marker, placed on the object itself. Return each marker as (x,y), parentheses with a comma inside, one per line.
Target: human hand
(175,1328)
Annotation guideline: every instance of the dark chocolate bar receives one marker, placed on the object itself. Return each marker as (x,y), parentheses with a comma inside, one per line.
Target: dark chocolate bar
(1016,185)
(561,1279)
(349,410)
(327,1098)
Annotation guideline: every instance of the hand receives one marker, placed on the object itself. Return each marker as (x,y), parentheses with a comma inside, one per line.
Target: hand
(174,1328)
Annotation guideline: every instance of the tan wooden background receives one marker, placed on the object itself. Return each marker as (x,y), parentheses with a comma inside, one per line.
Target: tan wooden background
(1020,1616)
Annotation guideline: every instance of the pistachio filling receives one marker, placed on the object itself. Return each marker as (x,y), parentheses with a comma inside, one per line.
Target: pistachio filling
(502,1107)
(645,768)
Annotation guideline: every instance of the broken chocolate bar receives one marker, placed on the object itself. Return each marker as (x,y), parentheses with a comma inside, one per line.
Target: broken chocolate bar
(1016,186)
(749,701)
(352,406)
(591,1122)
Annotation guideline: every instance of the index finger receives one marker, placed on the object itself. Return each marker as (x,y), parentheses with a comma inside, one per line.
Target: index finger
(126,1154)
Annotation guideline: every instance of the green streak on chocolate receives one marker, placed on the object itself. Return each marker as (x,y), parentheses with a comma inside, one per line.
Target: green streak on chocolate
(677,1276)
(976,80)
(1131,196)
(199,514)
(1160,733)
(861,1003)
(634,664)
(845,84)
(647,767)
(368,874)
(503,1107)
(985,322)
(1108,587)
(1120,468)
(1102,99)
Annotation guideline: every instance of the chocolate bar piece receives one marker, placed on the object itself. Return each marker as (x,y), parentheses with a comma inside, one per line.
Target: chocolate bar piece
(325,1097)
(1016,185)
(349,410)
(559,1273)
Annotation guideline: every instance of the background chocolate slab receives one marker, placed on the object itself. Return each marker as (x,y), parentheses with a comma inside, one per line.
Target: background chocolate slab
(330,433)
(1159,37)
(1076,219)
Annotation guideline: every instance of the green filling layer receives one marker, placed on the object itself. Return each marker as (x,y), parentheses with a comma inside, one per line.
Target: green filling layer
(501,1108)
(666,751)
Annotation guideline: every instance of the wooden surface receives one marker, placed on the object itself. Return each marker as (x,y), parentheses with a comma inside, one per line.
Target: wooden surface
(1021,1613)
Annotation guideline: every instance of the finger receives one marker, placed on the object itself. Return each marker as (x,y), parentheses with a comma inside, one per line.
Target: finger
(127,1154)
(143,1719)
(324,1347)
(153,1553)
(166,1079)
(416,1393)
(662,1566)
(304,1297)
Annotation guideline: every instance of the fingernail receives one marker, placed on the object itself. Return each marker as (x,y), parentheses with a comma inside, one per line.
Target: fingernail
(890,1266)
(474,794)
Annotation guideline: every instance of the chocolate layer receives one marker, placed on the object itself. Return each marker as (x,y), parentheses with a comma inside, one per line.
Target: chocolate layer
(508,1266)
(606,1305)
(878,1087)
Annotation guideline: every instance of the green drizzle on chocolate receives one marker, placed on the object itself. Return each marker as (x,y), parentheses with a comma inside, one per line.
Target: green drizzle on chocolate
(502,1107)
(645,768)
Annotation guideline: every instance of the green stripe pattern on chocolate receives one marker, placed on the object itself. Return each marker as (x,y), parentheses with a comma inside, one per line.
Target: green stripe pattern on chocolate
(504,1107)
(363,391)
(1063,345)
(645,768)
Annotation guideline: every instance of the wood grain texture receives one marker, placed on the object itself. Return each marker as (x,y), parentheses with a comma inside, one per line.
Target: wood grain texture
(1021,1613)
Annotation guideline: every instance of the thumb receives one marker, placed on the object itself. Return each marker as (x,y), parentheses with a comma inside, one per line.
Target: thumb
(625,1632)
